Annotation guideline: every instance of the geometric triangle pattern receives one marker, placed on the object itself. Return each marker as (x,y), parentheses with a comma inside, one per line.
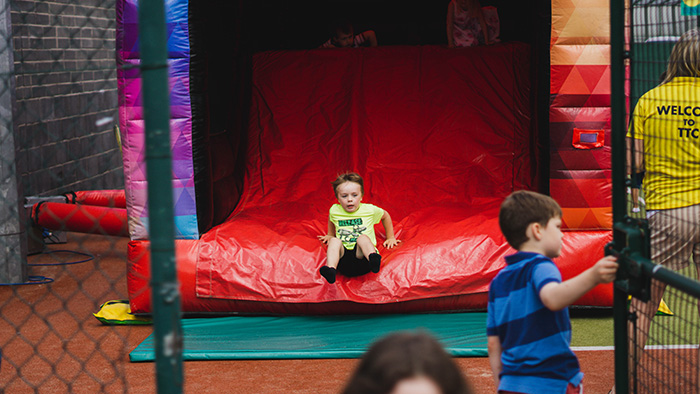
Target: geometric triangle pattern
(131,118)
(580,99)
(587,218)
(587,201)
(580,22)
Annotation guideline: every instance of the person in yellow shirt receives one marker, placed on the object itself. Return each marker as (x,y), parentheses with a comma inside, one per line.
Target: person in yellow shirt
(352,243)
(666,133)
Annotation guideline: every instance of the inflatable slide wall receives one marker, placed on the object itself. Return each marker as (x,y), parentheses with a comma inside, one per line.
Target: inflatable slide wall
(440,135)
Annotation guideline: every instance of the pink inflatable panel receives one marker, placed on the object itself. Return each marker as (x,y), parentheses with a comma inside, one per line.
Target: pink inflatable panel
(440,135)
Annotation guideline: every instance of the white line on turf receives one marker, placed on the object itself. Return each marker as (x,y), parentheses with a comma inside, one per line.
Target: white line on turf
(649,347)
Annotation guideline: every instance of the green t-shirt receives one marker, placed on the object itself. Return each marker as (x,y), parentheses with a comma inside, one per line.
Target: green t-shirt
(350,225)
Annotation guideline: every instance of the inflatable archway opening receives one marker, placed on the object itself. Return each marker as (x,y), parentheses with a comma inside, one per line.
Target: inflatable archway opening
(441,136)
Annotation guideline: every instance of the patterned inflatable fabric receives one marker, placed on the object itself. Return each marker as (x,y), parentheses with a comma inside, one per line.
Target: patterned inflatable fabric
(580,153)
(132,124)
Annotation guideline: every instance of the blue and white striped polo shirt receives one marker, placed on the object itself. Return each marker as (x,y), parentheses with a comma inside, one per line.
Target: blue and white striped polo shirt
(535,341)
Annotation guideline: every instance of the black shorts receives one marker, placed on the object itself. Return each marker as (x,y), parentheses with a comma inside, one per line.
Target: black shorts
(350,265)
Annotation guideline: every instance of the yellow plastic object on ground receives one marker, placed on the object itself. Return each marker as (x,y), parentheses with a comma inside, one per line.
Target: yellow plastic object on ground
(119,312)
(663,310)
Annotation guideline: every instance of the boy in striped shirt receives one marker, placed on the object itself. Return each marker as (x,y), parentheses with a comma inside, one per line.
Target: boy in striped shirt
(528,325)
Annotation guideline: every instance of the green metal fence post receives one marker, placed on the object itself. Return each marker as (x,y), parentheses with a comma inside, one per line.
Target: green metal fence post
(618,126)
(164,285)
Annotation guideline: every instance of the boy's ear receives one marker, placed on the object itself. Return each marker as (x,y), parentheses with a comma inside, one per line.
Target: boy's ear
(534,231)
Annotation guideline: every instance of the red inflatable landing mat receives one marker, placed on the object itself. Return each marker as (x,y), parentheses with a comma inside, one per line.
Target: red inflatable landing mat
(440,135)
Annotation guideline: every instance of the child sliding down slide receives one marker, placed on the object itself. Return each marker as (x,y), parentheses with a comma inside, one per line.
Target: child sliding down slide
(352,244)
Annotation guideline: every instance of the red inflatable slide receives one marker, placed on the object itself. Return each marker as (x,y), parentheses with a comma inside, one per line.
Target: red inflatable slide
(440,135)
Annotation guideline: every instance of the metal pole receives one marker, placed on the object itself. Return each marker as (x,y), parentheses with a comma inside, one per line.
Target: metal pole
(156,108)
(13,234)
(617,106)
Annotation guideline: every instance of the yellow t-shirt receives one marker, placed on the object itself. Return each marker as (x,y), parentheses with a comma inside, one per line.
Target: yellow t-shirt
(667,119)
(350,225)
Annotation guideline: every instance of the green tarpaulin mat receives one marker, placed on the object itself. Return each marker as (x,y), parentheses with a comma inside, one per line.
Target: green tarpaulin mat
(300,337)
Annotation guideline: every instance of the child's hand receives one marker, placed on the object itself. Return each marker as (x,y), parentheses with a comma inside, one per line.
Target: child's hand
(606,269)
(325,238)
(391,242)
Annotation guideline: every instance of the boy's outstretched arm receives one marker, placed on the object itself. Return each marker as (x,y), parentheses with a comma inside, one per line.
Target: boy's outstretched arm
(557,296)
(494,348)
(391,240)
(370,37)
(329,235)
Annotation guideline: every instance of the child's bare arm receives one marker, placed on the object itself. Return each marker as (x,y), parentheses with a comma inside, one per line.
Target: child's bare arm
(484,28)
(391,240)
(371,37)
(557,296)
(494,348)
(329,235)
(638,155)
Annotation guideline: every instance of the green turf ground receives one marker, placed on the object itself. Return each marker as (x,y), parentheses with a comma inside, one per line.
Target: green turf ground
(594,327)
(591,327)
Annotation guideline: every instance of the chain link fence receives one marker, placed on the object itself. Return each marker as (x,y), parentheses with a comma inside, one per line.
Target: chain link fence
(663,351)
(58,121)
(659,228)
(58,135)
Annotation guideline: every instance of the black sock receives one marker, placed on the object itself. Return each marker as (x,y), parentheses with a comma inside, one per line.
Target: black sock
(328,273)
(375,261)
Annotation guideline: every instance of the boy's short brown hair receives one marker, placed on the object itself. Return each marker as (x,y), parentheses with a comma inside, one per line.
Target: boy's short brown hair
(522,208)
(348,177)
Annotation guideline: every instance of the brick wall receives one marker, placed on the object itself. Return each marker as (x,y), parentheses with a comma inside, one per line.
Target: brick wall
(66,95)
